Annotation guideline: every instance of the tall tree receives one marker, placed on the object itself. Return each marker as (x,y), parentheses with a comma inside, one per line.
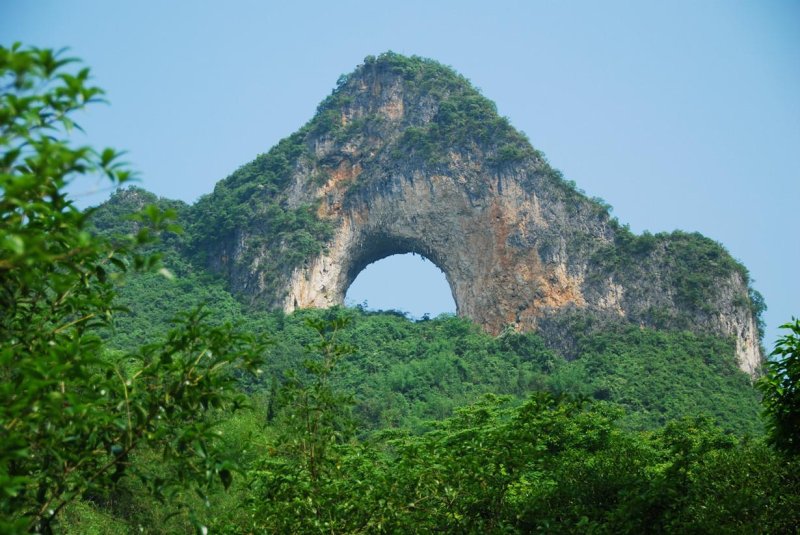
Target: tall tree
(781,389)
(72,417)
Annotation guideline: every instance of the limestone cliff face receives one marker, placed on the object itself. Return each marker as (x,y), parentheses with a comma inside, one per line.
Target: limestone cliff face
(406,156)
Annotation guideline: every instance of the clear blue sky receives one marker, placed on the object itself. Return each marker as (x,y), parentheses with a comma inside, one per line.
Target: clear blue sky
(681,114)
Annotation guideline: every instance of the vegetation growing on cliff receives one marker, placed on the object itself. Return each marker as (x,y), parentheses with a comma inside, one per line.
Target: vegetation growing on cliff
(697,264)
(464,118)
(249,221)
(253,197)
(122,418)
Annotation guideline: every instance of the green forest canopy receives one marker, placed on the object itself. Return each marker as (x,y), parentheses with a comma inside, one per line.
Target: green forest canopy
(124,413)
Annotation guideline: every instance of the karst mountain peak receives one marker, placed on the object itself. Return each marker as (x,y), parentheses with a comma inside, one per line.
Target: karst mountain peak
(405,155)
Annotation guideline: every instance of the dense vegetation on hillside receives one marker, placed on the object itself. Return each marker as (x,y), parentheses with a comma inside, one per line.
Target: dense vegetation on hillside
(404,373)
(549,462)
(128,409)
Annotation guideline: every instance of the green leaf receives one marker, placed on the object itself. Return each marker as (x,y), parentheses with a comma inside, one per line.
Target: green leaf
(14,243)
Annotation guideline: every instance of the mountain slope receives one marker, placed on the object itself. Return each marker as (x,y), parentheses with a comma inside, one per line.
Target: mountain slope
(406,156)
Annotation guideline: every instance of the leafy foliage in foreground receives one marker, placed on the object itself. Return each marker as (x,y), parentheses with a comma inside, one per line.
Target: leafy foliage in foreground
(781,388)
(551,464)
(554,464)
(73,414)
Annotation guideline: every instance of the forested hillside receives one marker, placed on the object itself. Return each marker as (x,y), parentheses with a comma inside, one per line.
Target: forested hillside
(140,395)
(403,372)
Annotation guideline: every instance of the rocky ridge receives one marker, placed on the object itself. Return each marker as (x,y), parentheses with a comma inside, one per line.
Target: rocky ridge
(406,156)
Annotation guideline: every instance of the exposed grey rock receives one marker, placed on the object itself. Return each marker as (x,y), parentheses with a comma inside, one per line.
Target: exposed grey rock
(390,170)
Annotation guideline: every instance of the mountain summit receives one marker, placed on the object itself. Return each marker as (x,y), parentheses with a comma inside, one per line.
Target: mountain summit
(406,156)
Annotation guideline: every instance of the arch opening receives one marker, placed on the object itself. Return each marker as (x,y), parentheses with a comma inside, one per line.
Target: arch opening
(408,283)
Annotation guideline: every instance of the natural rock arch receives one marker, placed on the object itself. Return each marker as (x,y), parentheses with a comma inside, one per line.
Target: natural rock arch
(464,235)
(405,156)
